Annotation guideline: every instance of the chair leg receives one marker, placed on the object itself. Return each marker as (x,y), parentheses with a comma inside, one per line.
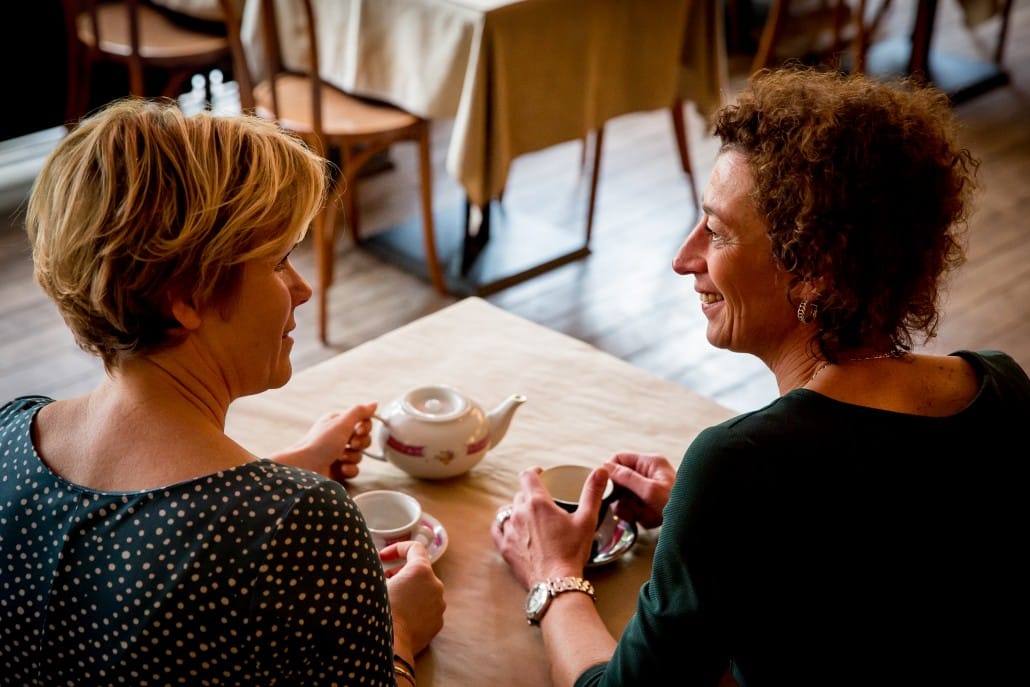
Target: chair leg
(999,48)
(679,125)
(348,190)
(137,82)
(764,56)
(176,84)
(81,73)
(428,231)
(325,257)
(594,176)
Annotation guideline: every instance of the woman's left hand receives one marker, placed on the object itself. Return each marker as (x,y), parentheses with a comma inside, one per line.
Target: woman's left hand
(540,540)
(333,445)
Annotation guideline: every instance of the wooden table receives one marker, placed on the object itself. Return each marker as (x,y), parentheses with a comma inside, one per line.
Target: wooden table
(516,76)
(583,405)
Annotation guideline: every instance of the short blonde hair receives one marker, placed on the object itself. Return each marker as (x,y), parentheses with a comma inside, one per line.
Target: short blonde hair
(140,203)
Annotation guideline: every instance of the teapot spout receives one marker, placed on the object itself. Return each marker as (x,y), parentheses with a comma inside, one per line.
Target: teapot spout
(499,418)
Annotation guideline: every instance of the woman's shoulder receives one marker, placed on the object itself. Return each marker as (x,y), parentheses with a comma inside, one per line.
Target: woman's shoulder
(752,433)
(18,459)
(1000,372)
(294,480)
(22,406)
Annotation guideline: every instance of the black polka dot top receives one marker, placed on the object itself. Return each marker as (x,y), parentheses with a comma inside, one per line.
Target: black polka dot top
(263,574)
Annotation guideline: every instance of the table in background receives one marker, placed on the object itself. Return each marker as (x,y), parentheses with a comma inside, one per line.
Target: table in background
(960,77)
(517,76)
(583,405)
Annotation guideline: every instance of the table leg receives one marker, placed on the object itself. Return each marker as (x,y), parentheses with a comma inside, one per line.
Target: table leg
(960,77)
(512,245)
(477,234)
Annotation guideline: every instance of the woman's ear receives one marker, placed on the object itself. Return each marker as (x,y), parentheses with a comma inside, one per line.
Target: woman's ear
(810,290)
(184,313)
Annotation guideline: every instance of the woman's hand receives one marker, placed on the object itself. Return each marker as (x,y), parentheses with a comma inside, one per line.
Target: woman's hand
(644,483)
(333,445)
(416,598)
(540,540)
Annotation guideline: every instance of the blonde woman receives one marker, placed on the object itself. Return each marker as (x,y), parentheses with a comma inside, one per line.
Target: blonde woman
(138,543)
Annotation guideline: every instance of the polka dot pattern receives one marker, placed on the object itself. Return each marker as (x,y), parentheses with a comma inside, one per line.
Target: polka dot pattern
(259,575)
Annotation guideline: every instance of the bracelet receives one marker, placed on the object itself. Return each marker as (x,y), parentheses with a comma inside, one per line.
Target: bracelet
(410,668)
(403,672)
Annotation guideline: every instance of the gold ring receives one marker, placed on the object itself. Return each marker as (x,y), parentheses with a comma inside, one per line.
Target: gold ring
(502,516)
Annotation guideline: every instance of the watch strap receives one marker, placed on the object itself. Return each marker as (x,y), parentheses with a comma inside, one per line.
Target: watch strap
(557,585)
(554,587)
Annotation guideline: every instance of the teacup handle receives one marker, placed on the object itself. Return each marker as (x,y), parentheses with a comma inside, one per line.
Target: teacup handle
(425,534)
(371,454)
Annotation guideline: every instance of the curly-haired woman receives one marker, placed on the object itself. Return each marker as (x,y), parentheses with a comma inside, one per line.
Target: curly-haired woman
(865,527)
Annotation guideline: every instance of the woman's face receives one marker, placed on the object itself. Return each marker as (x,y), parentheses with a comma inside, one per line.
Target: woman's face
(253,343)
(743,292)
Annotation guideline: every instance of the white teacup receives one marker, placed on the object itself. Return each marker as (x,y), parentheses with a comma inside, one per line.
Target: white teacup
(393,516)
(565,483)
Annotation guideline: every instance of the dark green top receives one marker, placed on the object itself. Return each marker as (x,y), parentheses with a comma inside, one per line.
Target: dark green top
(263,574)
(818,542)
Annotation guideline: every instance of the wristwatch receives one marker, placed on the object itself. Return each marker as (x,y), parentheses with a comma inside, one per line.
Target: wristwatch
(540,595)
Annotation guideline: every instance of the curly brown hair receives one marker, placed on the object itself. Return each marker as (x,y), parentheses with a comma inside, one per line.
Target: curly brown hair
(866,191)
(140,203)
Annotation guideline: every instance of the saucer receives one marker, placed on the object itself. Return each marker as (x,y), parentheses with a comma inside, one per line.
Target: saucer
(436,547)
(613,538)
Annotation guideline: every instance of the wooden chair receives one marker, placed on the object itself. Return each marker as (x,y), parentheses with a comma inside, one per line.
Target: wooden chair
(346,129)
(825,29)
(141,37)
(679,127)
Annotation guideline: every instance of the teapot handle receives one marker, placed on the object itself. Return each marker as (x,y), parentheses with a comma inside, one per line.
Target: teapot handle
(368,452)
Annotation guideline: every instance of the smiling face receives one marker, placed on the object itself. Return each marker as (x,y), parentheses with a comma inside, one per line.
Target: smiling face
(743,292)
(250,338)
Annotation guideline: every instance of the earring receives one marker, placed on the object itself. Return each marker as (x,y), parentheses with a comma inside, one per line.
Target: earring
(806,315)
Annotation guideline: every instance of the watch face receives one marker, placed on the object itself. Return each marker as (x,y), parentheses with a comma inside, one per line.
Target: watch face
(537,599)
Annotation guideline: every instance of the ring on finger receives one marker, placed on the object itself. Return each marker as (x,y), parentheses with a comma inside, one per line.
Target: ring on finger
(502,516)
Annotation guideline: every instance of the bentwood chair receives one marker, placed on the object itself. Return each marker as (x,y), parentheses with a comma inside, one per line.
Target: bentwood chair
(148,41)
(346,129)
(822,29)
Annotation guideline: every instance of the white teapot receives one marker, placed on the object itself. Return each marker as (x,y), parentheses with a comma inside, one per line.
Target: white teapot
(436,432)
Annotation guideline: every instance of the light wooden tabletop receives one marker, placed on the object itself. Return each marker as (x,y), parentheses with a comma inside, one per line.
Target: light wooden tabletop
(583,405)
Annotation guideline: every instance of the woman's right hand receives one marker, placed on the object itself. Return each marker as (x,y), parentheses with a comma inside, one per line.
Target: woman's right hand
(416,598)
(646,481)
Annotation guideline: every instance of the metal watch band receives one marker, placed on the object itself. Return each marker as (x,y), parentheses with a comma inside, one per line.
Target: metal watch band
(558,585)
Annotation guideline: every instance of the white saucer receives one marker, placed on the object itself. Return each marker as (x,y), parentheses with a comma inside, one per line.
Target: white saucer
(613,539)
(436,547)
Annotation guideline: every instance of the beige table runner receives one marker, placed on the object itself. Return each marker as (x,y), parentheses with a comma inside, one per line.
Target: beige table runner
(582,406)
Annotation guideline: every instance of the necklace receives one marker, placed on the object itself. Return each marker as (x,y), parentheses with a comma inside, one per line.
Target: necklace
(857,359)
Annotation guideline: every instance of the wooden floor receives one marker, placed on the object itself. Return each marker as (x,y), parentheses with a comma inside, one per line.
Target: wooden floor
(623,298)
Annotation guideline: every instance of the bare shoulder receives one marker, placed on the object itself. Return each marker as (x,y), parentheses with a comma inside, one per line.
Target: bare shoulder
(917,384)
(937,385)
(113,447)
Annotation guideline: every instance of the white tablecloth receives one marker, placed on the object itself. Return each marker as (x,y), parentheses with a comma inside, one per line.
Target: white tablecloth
(516,75)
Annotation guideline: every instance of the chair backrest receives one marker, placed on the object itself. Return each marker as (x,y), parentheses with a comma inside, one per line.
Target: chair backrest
(814,29)
(140,36)
(263,66)
(240,68)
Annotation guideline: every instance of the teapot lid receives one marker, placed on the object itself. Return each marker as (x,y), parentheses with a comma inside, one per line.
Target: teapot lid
(435,403)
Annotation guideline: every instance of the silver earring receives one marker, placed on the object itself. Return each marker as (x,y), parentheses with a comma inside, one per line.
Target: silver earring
(806,315)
